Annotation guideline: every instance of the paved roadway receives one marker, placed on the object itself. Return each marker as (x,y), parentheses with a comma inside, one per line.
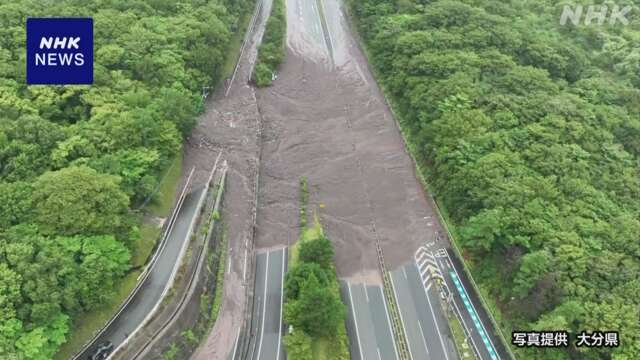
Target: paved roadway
(468,309)
(368,323)
(154,285)
(423,318)
(266,325)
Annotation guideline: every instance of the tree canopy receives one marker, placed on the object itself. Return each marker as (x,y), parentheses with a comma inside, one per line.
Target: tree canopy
(75,159)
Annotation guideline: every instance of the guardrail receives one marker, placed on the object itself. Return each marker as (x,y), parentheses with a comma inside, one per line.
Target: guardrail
(176,266)
(168,226)
(244,43)
(192,281)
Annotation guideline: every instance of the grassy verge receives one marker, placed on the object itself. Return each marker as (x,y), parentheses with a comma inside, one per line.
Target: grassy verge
(304,202)
(459,339)
(235,44)
(163,201)
(222,265)
(271,51)
(149,235)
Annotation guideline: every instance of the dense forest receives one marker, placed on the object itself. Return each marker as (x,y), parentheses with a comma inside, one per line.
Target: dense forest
(529,133)
(75,159)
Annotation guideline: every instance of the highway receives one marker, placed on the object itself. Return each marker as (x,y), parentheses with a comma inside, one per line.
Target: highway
(368,323)
(151,290)
(424,323)
(267,328)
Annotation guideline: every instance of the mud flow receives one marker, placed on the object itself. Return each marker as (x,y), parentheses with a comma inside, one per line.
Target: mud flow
(324,118)
(231,126)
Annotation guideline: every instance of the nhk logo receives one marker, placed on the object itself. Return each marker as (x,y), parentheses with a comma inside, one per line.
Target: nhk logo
(59,51)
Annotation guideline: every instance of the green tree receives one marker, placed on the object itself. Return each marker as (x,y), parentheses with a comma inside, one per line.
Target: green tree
(318,311)
(299,275)
(319,251)
(79,200)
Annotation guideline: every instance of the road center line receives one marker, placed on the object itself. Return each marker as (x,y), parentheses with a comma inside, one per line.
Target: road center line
(355,320)
(433,314)
(424,342)
(386,312)
(281,301)
(264,303)
(395,295)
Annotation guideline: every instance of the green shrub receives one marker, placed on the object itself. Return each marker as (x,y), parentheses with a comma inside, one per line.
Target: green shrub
(272,50)
(262,75)
(298,345)
(319,251)
(318,310)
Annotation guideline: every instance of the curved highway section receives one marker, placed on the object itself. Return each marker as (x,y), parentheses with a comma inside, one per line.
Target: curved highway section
(151,290)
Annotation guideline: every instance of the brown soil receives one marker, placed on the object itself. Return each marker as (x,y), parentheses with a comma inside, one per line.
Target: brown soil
(231,125)
(325,118)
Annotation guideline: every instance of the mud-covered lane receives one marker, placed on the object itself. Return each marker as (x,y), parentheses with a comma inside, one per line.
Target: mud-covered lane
(324,118)
(231,126)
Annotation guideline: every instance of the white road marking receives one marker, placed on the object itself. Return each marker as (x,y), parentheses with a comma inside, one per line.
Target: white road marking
(466,327)
(424,342)
(281,305)
(355,320)
(405,273)
(366,295)
(264,304)
(328,30)
(235,348)
(378,350)
(395,295)
(244,271)
(386,312)
(433,314)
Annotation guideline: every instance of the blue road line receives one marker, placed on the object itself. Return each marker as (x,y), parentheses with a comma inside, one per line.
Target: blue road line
(474,316)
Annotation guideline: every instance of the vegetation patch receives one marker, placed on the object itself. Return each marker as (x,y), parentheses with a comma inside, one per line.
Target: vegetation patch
(271,51)
(221,255)
(529,133)
(304,202)
(313,308)
(162,200)
(74,160)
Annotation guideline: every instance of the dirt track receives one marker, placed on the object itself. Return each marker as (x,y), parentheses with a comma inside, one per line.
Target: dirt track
(324,118)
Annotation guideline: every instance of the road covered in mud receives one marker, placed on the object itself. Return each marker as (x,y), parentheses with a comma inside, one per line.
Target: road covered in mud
(325,119)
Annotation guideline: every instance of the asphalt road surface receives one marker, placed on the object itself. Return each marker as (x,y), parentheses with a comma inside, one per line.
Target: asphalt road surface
(424,322)
(266,326)
(467,309)
(368,323)
(149,294)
